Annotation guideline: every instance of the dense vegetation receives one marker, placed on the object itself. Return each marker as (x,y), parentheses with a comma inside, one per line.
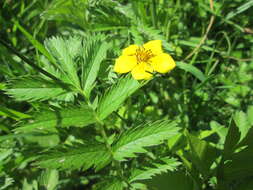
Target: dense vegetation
(68,121)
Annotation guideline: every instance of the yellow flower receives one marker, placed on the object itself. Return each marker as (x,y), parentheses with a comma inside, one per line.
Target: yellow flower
(142,61)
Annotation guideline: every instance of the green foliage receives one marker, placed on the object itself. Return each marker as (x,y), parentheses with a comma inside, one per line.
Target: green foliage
(135,139)
(193,70)
(65,117)
(116,95)
(203,155)
(112,184)
(94,53)
(169,164)
(81,157)
(34,89)
(64,51)
(68,121)
(49,179)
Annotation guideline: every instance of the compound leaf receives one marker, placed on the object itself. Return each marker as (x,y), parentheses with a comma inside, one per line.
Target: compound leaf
(169,164)
(135,139)
(115,96)
(82,157)
(65,117)
(34,89)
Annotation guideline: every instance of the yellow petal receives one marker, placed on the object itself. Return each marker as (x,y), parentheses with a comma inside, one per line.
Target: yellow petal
(130,50)
(140,71)
(125,64)
(155,46)
(163,63)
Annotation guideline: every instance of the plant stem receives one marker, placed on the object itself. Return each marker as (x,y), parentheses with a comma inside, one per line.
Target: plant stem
(36,67)
(101,127)
(108,146)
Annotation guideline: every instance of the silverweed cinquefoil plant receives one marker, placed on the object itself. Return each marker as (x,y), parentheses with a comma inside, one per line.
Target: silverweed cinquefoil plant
(144,60)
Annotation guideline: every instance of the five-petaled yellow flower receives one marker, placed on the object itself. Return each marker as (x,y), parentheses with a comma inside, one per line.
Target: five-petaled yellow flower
(142,61)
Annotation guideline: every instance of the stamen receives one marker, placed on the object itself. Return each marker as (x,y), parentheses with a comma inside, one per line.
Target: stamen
(143,55)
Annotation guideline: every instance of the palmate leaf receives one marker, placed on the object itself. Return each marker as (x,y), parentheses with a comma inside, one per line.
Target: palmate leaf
(82,157)
(95,49)
(65,117)
(115,96)
(135,139)
(34,89)
(64,52)
(169,164)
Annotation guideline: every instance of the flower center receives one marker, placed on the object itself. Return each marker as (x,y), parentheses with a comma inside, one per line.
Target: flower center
(143,55)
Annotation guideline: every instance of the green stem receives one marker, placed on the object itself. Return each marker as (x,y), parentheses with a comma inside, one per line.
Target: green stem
(115,162)
(36,67)
(108,146)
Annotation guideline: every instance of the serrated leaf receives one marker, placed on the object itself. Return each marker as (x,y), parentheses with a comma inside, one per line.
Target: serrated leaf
(110,184)
(169,164)
(135,139)
(82,157)
(116,95)
(95,49)
(34,89)
(64,52)
(65,117)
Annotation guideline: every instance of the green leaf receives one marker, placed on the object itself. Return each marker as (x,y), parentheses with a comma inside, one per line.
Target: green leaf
(65,117)
(95,49)
(116,95)
(64,51)
(49,179)
(82,157)
(240,9)
(250,115)
(110,184)
(193,70)
(135,139)
(178,179)
(202,154)
(34,89)
(169,164)
(70,11)
(7,112)
(239,133)
(221,130)
(232,139)
(35,43)
(242,123)
(239,165)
